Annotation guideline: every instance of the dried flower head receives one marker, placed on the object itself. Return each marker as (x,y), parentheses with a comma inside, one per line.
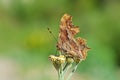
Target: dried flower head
(57,60)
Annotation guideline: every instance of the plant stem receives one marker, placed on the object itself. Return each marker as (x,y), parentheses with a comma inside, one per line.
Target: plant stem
(60,73)
(65,69)
(74,69)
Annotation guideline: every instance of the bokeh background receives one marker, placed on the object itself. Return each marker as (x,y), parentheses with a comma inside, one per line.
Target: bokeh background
(25,43)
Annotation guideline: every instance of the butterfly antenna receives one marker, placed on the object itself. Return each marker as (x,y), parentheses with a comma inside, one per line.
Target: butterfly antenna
(52,34)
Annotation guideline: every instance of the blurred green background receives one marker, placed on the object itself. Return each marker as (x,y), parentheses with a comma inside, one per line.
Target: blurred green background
(25,43)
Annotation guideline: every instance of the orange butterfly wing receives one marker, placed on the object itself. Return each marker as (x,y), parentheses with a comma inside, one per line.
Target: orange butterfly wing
(67,43)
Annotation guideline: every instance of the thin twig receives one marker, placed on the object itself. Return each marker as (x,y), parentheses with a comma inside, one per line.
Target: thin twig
(60,73)
(74,69)
(65,69)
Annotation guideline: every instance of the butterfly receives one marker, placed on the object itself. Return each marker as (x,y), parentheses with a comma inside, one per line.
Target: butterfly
(67,43)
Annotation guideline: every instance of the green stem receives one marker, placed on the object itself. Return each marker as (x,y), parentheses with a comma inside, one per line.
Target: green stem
(74,69)
(60,74)
(59,77)
(65,69)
